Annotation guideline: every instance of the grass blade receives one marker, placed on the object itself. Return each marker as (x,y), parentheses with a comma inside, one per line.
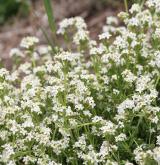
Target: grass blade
(49,11)
(51,20)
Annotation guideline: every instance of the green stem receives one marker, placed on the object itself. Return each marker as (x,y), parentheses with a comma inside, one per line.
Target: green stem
(142,3)
(157,81)
(51,19)
(126,5)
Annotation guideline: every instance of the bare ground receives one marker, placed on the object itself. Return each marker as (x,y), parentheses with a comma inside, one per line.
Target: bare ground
(93,11)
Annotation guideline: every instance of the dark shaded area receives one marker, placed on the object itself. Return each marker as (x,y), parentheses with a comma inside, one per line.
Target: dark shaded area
(10,8)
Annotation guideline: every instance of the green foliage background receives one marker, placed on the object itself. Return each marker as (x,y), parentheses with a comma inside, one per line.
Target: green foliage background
(9,8)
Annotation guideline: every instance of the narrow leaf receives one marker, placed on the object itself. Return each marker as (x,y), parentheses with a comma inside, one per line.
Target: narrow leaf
(49,11)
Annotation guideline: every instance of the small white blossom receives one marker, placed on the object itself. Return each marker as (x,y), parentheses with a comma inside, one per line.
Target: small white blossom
(28,42)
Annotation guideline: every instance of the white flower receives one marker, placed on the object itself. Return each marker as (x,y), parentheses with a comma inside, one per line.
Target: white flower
(126,104)
(135,8)
(134,22)
(90,101)
(108,128)
(44,49)
(64,24)
(97,119)
(87,113)
(28,123)
(7,152)
(11,163)
(80,36)
(16,52)
(105,149)
(112,20)
(77,21)
(128,76)
(81,143)
(97,50)
(128,163)
(120,137)
(25,68)
(142,83)
(105,35)
(28,42)
(158,140)
(109,162)
(156,154)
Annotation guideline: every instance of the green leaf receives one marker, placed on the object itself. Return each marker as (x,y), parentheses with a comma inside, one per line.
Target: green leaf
(49,11)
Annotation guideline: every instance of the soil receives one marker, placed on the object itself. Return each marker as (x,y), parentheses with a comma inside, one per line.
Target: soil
(93,11)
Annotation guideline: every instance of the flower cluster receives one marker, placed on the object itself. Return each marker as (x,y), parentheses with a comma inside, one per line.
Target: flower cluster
(96,105)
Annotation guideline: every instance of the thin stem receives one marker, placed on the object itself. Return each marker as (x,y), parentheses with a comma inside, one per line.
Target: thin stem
(142,3)
(126,5)
(150,133)
(157,81)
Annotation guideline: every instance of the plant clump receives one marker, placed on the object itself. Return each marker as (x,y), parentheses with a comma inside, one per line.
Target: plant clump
(94,103)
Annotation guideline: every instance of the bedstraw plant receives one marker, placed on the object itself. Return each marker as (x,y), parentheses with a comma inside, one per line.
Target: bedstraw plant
(95,104)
